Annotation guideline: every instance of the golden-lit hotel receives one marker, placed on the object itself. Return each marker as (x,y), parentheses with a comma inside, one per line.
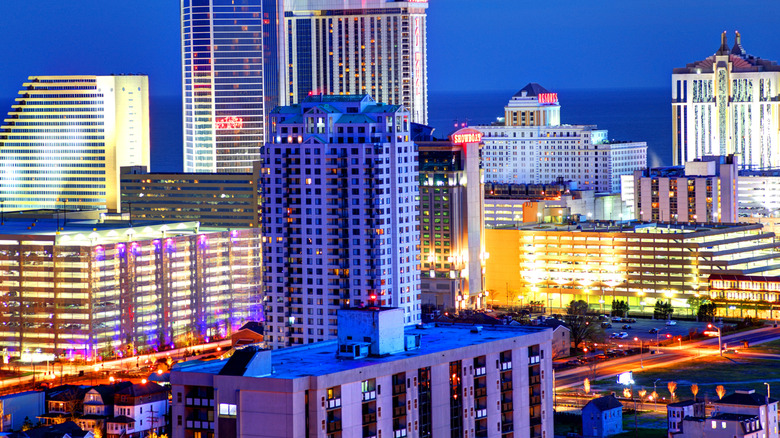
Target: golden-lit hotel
(642,263)
(65,138)
(93,289)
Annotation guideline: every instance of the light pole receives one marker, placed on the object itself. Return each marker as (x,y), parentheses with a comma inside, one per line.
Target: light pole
(641,365)
(655,398)
(767,404)
(720,348)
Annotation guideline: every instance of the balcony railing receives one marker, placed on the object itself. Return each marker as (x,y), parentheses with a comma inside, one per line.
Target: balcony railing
(399,411)
(334,426)
(195,401)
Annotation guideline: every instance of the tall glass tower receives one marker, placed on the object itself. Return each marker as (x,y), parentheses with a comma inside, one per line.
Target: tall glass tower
(222,79)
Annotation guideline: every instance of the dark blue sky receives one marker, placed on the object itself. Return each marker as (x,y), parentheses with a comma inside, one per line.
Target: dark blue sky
(472,44)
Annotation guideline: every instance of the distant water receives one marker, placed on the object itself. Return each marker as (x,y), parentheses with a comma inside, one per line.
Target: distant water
(629,115)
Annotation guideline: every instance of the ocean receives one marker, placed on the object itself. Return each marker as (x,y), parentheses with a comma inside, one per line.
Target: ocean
(629,115)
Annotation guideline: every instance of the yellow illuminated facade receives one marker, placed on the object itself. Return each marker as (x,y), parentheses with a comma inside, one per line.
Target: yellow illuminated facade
(65,138)
(641,264)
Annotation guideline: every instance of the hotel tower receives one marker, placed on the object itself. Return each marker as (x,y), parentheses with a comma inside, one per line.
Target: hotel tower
(226,88)
(727,104)
(65,138)
(344,47)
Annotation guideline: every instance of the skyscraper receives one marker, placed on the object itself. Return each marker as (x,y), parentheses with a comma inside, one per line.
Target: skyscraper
(727,104)
(344,47)
(66,137)
(340,222)
(223,82)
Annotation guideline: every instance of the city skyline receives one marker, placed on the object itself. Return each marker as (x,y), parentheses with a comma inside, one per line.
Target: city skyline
(104,39)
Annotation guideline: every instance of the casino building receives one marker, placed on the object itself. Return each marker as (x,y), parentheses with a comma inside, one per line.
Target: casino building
(727,104)
(66,137)
(531,146)
(452,244)
(348,47)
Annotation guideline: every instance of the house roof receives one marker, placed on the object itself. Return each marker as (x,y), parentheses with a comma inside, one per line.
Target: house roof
(66,393)
(107,391)
(122,419)
(533,89)
(734,417)
(238,362)
(745,398)
(254,326)
(140,389)
(605,403)
(683,403)
(55,431)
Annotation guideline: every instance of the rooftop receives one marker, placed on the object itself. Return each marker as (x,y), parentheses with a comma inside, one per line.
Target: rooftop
(745,398)
(605,403)
(320,358)
(684,403)
(92,232)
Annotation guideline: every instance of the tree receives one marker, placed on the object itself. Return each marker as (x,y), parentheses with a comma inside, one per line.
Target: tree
(27,424)
(642,393)
(694,390)
(672,386)
(97,432)
(626,393)
(586,385)
(721,391)
(706,312)
(662,310)
(582,324)
(620,308)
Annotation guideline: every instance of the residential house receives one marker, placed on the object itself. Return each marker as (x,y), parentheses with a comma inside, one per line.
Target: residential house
(602,417)
(138,410)
(676,412)
(63,403)
(561,343)
(99,405)
(721,425)
(750,403)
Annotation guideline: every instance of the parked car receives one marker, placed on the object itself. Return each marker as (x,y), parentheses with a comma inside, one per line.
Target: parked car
(617,319)
(623,335)
(614,336)
(606,325)
(626,327)
(653,330)
(671,322)
(629,320)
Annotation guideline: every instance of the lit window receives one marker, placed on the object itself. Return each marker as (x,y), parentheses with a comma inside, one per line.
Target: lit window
(227,410)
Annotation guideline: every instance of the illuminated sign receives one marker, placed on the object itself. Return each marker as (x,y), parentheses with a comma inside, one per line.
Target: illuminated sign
(230,123)
(626,378)
(417,1)
(548,98)
(467,135)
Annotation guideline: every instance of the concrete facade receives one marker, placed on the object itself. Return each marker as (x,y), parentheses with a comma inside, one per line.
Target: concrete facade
(487,383)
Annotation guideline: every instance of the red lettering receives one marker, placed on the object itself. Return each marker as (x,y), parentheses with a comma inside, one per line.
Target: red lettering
(230,123)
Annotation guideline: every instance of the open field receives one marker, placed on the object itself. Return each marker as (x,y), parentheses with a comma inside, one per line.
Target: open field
(732,371)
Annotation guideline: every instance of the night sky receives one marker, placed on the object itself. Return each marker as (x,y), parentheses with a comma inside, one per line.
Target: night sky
(473,45)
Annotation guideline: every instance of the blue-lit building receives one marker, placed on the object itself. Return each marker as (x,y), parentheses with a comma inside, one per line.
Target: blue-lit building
(340,228)
(226,87)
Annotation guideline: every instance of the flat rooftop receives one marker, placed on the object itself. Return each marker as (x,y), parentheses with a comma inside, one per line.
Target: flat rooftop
(320,359)
(92,232)
(638,227)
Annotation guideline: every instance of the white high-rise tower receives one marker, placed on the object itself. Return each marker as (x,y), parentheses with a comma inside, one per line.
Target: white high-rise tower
(348,47)
(222,80)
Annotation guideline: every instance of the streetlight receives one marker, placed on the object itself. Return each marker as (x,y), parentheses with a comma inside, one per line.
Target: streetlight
(641,365)
(720,347)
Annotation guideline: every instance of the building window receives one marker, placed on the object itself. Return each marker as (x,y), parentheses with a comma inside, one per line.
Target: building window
(227,410)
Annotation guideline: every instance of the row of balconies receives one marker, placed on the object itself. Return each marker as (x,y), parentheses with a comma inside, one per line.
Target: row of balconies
(195,401)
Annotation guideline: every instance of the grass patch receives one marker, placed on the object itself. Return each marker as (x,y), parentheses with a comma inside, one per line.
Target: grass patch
(733,372)
(772,347)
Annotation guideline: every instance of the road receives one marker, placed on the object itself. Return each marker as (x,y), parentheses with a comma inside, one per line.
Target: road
(667,356)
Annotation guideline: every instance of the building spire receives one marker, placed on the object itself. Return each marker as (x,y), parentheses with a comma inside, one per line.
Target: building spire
(724,47)
(738,49)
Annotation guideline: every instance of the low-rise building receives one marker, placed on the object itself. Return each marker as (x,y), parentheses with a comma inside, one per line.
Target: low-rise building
(377,379)
(139,410)
(676,412)
(252,332)
(721,426)
(14,408)
(747,402)
(602,417)
(703,191)
(63,403)
(637,263)
(228,200)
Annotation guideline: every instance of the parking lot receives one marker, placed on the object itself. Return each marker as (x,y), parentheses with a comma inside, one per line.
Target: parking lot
(641,329)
